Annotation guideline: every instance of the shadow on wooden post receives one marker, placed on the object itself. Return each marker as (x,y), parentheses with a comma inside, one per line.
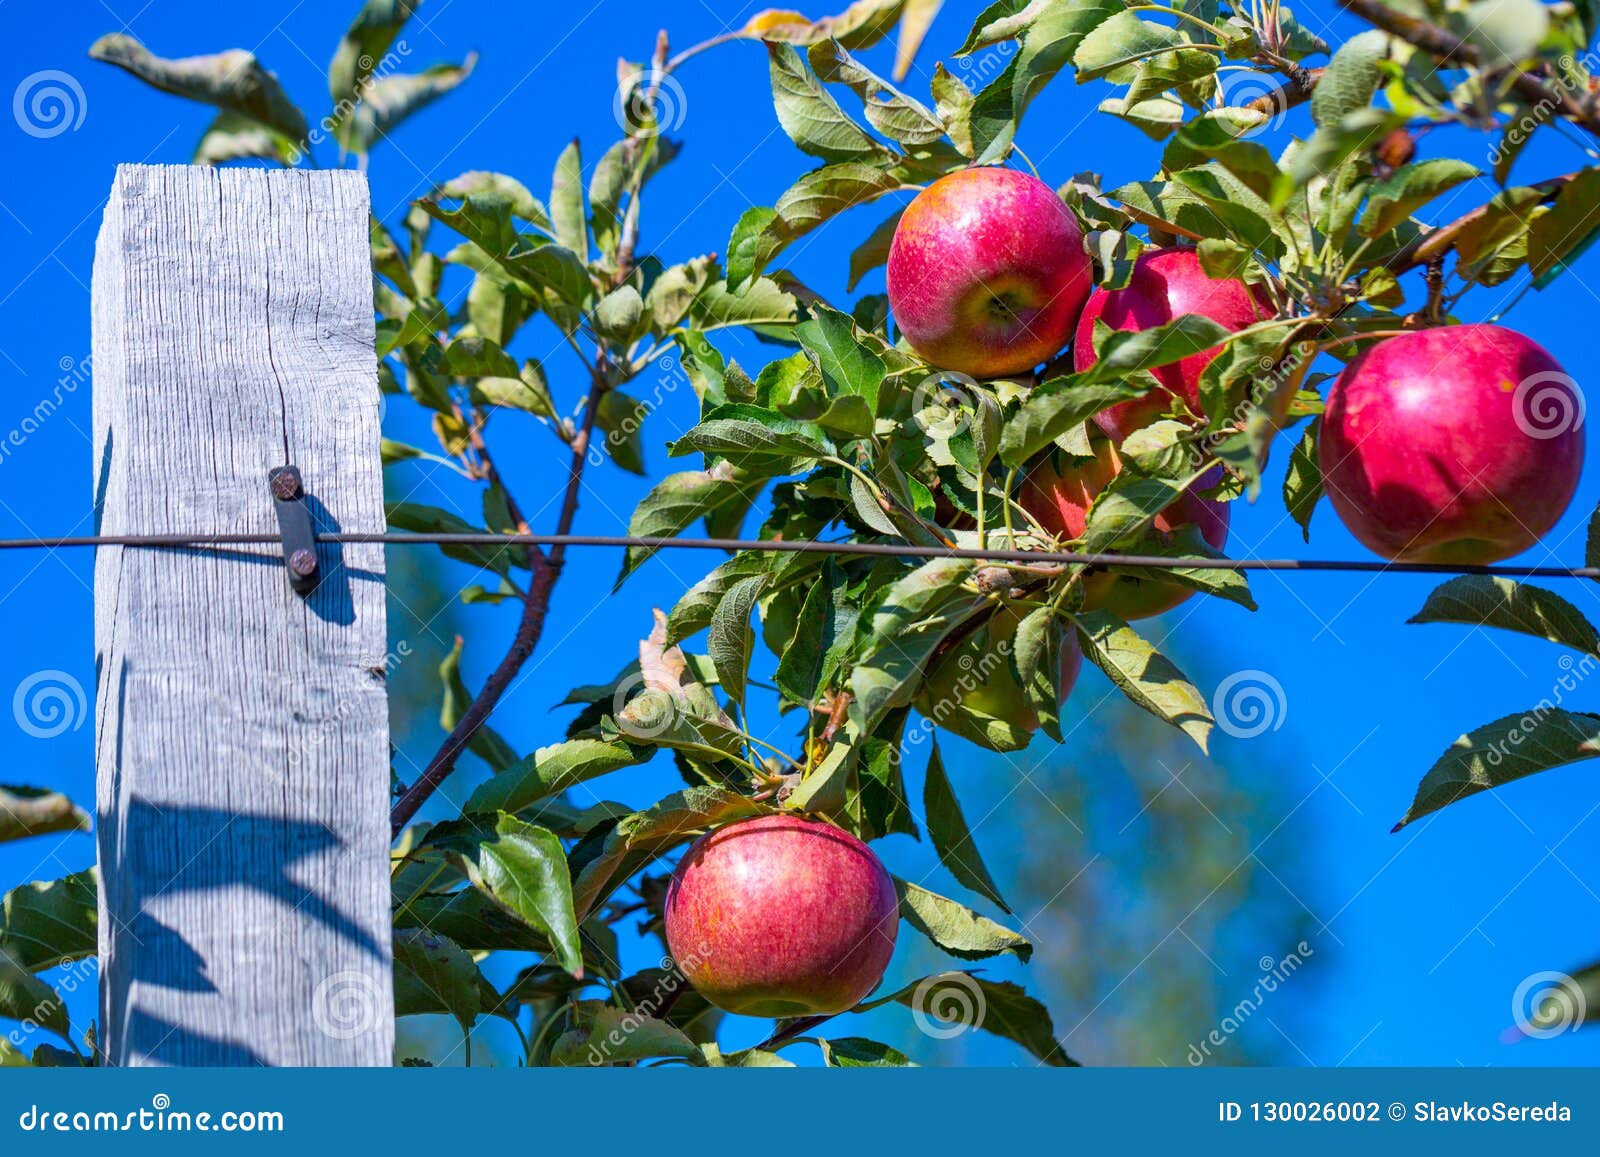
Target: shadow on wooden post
(243,739)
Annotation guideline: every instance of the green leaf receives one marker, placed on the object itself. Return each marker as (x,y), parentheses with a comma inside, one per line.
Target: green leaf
(388,102)
(550,771)
(816,197)
(854,1052)
(232,137)
(810,115)
(848,366)
(823,634)
(956,928)
(1559,236)
(730,639)
(1216,136)
(1125,352)
(26,998)
(1490,601)
(1505,750)
(1505,32)
(1302,484)
(50,923)
(1352,76)
(364,46)
(890,111)
(755,438)
(36,811)
(1122,40)
(640,838)
(1123,511)
(1591,548)
(478,357)
(621,420)
(485,742)
(699,602)
(567,217)
(763,305)
(525,869)
(233,81)
(676,502)
(1144,675)
(1189,542)
(616,1036)
(952,839)
(673,293)
(433,974)
(1410,187)
(951,1001)
(514,194)
(528,391)
(915,615)
(1038,648)
(1052,409)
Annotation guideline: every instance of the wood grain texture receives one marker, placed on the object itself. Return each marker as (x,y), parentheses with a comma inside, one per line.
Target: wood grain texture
(242,730)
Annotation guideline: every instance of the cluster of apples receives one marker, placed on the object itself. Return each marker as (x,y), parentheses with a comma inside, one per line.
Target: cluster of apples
(1457,444)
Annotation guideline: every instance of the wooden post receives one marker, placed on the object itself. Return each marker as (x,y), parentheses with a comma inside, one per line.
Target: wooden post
(242,729)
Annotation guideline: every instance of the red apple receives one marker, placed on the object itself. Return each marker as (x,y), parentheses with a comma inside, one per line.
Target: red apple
(977,676)
(987,272)
(781,916)
(1461,444)
(1058,491)
(1166,284)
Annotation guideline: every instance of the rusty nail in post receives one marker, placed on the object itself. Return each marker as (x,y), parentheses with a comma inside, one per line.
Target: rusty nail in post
(286,485)
(303,562)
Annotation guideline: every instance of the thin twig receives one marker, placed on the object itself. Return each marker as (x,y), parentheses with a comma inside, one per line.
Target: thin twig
(535,609)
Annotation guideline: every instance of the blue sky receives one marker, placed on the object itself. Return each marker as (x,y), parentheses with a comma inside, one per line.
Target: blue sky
(1420,938)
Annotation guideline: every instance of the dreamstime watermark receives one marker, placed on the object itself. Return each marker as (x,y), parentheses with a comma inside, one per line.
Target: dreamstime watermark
(328,126)
(947,1004)
(49,703)
(75,974)
(621,430)
(1547,405)
(74,374)
(975,71)
(944,404)
(651,713)
(648,103)
(348,1004)
(1573,673)
(1273,374)
(1251,90)
(1562,82)
(1249,703)
(648,1009)
(159,1117)
(48,103)
(1548,1004)
(971,674)
(1274,974)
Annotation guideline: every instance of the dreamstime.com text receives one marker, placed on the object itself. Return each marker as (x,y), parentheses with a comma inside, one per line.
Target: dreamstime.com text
(158,1117)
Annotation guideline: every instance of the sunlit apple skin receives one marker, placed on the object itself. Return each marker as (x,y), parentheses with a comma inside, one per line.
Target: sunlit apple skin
(1059,491)
(1461,444)
(781,916)
(987,272)
(978,676)
(1166,284)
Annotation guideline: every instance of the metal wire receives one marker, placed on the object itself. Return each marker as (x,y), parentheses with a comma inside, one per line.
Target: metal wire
(897,550)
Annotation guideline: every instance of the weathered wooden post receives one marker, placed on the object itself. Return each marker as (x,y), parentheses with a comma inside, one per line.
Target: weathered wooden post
(242,728)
